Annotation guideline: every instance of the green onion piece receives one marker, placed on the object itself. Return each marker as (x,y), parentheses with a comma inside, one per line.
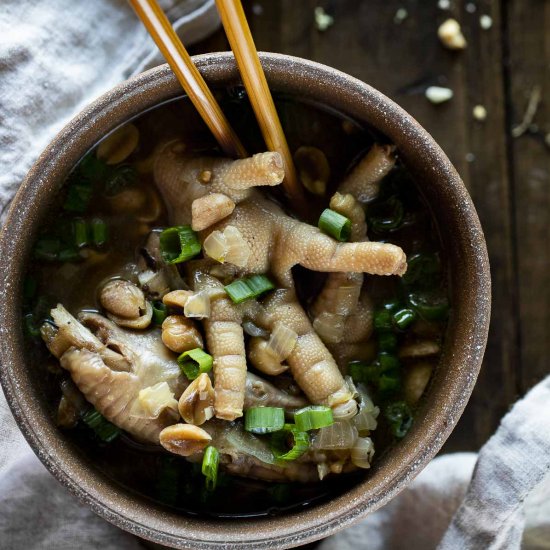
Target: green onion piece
(280,492)
(78,196)
(423,270)
(195,362)
(386,216)
(383,320)
(313,417)
(239,291)
(47,248)
(400,418)
(335,225)
(259,284)
(160,312)
(431,305)
(404,318)
(69,255)
(178,244)
(30,326)
(101,426)
(360,371)
(248,288)
(91,168)
(119,178)
(391,305)
(264,420)
(387,341)
(387,361)
(167,482)
(99,232)
(291,437)
(389,382)
(80,231)
(209,468)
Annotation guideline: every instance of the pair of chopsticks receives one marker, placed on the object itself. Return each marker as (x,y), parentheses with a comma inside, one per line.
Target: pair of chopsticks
(241,42)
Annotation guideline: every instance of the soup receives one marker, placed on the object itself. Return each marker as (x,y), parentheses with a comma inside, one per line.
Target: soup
(217,348)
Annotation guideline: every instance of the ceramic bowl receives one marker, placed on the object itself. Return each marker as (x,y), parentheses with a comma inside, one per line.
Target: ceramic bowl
(440,408)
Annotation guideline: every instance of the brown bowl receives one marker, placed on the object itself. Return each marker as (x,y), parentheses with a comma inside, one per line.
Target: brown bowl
(441,407)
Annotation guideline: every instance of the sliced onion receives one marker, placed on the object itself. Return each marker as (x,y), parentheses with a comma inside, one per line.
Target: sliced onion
(198,305)
(215,246)
(323,470)
(345,411)
(238,250)
(362,452)
(254,330)
(329,327)
(365,421)
(227,246)
(282,341)
(340,435)
(145,276)
(156,398)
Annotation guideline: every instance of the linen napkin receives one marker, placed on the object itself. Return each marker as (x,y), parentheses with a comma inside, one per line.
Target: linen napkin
(59,55)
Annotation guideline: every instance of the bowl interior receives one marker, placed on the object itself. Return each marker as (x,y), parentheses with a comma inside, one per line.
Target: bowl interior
(439,410)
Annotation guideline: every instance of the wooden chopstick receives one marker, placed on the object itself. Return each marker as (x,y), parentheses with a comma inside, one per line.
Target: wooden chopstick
(178,58)
(241,41)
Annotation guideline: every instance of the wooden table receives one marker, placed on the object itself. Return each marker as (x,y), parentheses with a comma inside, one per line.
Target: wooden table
(508,177)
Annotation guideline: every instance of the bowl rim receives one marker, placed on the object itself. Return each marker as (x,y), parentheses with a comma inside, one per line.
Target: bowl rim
(145,519)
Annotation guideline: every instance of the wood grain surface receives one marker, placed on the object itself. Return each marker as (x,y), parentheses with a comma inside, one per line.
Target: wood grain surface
(508,177)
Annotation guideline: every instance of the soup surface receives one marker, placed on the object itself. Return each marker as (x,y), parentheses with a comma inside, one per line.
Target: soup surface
(100,231)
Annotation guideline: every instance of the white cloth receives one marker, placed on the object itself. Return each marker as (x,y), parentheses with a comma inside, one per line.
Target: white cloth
(57,56)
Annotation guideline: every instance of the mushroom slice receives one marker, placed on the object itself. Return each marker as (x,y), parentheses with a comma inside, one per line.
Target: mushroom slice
(184,439)
(196,404)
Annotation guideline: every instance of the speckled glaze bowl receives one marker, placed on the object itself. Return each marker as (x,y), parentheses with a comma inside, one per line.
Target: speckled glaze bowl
(440,408)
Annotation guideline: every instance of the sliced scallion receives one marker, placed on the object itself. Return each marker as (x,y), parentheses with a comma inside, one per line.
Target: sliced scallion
(387,341)
(47,248)
(99,231)
(400,418)
(263,420)
(387,361)
(248,288)
(313,417)
(178,244)
(195,362)
(239,291)
(389,382)
(335,225)
(382,320)
(210,462)
(431,305)
(105,430)
(386,216)
(80,230)
(291,437)
(404,318)
(30,326)
(78,196)
(160,312)
(259,284)
(423,270)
